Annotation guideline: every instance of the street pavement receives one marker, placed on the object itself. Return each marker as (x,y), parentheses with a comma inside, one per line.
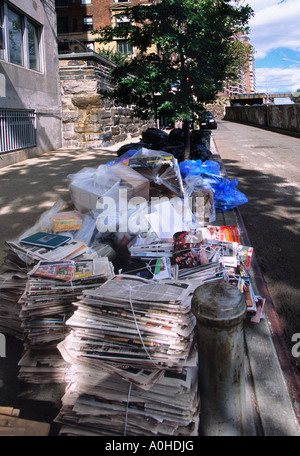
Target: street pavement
(266,165)
(30,187)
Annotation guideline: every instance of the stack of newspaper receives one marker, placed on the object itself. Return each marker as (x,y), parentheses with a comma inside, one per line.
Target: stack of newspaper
(12,285)
(46,305)
(133,360)
(102,404)
(151,247)
(30,254)
(206,261)
(13,277)
(150,257)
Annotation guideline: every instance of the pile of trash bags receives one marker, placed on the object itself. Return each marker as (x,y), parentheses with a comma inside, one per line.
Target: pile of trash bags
(173,142)
(143,190)
(155,172)
(226,195)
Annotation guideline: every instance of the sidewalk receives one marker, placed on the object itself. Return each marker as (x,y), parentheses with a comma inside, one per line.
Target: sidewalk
(28,188)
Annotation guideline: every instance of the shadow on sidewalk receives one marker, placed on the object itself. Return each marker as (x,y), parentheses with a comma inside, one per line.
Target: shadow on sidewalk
(32,186)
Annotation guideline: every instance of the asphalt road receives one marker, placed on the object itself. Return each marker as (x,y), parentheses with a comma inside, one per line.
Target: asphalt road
(266,165)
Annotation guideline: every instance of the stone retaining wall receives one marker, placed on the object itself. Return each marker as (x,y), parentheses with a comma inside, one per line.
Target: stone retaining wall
(281,118)
(88,118)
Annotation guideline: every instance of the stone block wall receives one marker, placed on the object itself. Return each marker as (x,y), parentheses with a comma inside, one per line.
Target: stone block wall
(88,118)
(281,118)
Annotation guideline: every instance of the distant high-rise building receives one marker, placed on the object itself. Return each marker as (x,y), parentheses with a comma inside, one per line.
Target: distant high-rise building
(246,82)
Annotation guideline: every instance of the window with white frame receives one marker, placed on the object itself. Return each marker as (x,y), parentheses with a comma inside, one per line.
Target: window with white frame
(88,23)
(20,41)
(120,20)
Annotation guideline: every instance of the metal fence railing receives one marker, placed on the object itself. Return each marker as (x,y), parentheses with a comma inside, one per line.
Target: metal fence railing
(17,130)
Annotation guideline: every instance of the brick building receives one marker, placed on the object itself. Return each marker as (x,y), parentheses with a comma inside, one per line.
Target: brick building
(76,19)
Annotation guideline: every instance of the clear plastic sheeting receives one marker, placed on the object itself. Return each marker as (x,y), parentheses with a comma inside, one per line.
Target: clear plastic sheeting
(105,181)
(202,195)
(161,169)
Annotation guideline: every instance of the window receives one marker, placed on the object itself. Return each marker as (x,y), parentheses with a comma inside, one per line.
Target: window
(123,47)
(2,34)
(86,2)
(61,3)
(121,20)
(121,1)
(33,46)
(21,39)
(62,25)
(15,36)
(75,25)
(87,23)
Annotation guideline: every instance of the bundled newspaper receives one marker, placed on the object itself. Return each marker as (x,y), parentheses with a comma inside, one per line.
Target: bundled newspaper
(132,337)
(46,304)
(19,259)
(98,403)
(12,285)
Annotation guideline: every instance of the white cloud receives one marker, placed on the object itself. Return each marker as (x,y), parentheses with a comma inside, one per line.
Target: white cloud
(273,79)
(275,24)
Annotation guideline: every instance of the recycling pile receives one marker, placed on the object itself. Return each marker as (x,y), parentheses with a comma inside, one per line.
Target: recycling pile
(100,292)
(46,304)
(133,356)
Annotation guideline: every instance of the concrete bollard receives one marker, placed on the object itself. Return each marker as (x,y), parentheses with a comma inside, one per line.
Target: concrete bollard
(220,310)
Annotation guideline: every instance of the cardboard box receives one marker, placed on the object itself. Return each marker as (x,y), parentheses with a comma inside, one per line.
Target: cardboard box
(85,194)
(67,221)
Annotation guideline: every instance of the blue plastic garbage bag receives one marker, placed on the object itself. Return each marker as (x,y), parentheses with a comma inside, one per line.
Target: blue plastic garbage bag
(211,166)
(196,167)
(190,168)
(226,195)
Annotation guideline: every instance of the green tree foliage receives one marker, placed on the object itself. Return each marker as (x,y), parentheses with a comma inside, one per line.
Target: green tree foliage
(185,49)
(296,96)
(114,56)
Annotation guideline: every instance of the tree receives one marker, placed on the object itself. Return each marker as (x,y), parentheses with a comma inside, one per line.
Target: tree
(185,51)
(296,96)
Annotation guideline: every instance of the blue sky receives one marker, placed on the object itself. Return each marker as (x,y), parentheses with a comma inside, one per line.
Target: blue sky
(275,35)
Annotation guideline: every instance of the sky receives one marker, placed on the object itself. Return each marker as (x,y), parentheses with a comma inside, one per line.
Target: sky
(275,35)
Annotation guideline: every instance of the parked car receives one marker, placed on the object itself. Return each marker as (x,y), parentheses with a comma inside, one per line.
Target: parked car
(208,121)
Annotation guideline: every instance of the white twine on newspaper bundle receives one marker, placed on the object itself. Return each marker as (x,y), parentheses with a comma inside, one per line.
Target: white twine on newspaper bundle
(147,266)
(26,259)
(64,324)
(127,407)
(136,324)
(3,282)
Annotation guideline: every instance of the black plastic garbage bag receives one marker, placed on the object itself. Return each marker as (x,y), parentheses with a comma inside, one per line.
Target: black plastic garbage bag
(155,137)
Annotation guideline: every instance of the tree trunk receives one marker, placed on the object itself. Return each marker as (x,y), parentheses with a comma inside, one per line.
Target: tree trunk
(187,140)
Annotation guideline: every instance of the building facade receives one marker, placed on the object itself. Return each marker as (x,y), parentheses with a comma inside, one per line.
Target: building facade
(76,19)
(247,81)
(30,104)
